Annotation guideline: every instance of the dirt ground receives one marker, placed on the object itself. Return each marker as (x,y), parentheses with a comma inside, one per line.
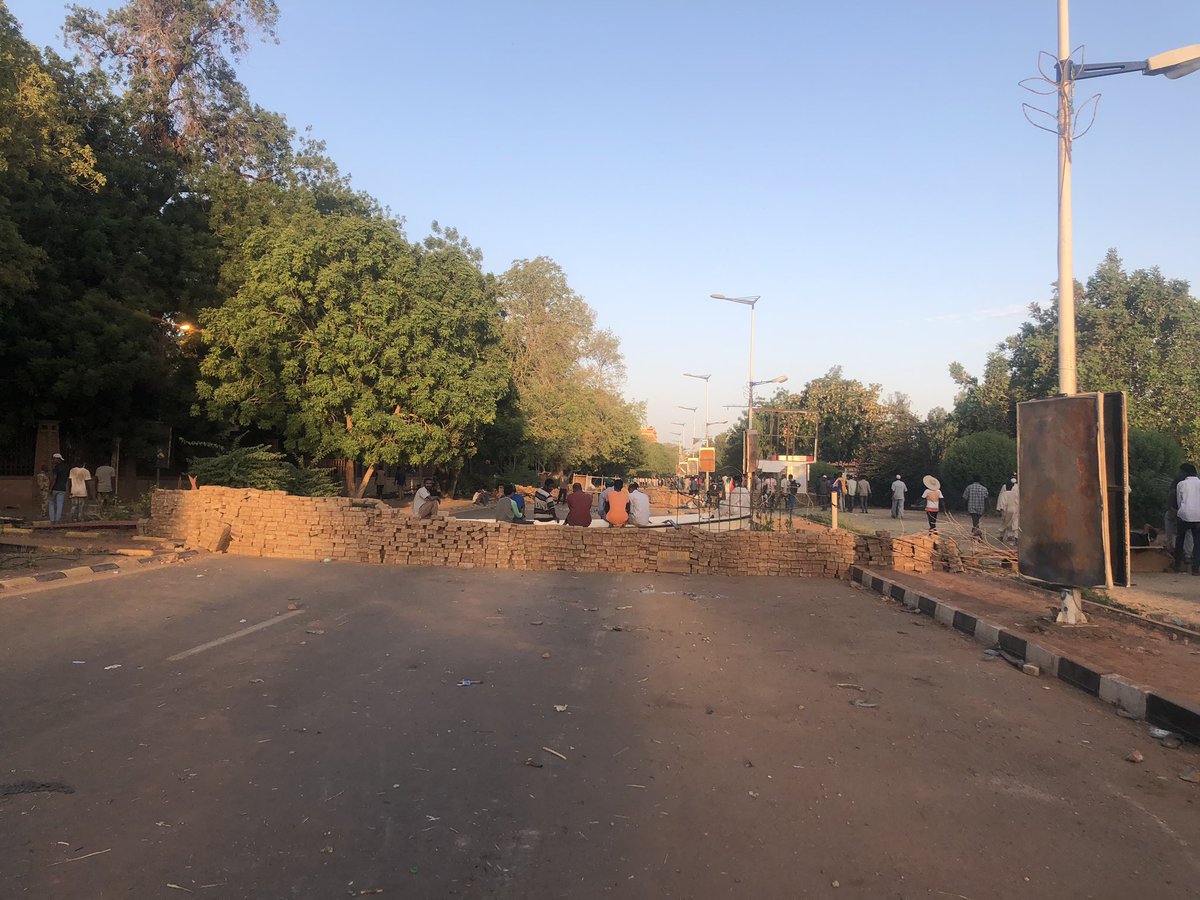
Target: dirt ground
(1144,655)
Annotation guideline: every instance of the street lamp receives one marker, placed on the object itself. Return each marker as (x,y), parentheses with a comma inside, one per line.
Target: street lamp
(703,378)
(682,425)
(692,410)
(1172,64)
(750,301)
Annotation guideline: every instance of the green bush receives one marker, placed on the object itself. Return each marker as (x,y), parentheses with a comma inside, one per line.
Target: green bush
(262,468)
(989,454)
(1154,459)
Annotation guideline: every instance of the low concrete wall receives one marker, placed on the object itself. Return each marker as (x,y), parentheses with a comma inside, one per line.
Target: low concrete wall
(272,523)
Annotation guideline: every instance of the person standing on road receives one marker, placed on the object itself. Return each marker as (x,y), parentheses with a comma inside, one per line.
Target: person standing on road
(851,492)
(899,489)
(976,496)
(425,500)
(106,477)
(1008,503)
(933,500)
(864,494)
(823,491)
(1187,494)
(60,481)
(793,489)
(579,507)
(79,476)
(835,492)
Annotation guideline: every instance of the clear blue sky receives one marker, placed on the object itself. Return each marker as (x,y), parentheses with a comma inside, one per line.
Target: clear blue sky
(865,167)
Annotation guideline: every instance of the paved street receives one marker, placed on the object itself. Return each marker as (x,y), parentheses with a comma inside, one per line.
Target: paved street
(712,748)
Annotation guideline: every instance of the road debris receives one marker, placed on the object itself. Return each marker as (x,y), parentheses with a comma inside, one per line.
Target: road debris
(753,794)
(624,607)
(328,848)
(314,631)
(560,707)
(532,763)
(863,704)
(467,682)
(79,662)
(538,622)
(179,887)
(292,607)
(1031,669)
(1190,774)
(367,892)
(546,655)
(554,752)
(110,668)
(256,680)
(1135,757)
(78,858)
(857,687)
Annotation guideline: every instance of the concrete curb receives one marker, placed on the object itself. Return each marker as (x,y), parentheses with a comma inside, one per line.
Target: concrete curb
(25,582)
(1138,700)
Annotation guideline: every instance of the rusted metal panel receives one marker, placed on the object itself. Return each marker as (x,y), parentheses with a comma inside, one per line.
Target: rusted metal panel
(1116,477)
(1064,521)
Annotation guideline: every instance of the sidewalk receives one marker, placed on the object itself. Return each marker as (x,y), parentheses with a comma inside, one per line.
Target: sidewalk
(1145,672)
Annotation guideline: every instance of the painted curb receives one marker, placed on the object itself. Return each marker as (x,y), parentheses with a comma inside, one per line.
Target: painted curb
(128,564)
(1138,700)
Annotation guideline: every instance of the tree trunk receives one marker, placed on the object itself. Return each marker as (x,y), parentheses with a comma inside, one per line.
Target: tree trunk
(362,485)
(345,469)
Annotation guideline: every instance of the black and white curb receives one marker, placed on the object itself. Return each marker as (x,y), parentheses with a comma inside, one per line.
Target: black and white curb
(25,582)
(1138,700)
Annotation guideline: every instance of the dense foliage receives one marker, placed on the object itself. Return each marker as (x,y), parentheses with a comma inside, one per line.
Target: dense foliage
(173,254)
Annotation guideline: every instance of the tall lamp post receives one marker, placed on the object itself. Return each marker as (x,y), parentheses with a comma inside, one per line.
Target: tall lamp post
(1173,64)
(693,410)
(750,300)
(703,378)
(778,379)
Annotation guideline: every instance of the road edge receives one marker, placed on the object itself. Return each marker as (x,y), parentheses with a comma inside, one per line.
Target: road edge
(24,583)
(1141,701)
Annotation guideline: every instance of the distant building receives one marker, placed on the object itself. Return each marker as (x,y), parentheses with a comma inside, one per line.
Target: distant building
(650,434)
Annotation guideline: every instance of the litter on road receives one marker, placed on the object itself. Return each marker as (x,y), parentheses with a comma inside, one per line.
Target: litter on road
(554,752)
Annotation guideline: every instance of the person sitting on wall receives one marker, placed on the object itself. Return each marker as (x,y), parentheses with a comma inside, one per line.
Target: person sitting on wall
(507,509)
(639,506)
(618,505)
(426,500)
(544,509)
(579,507)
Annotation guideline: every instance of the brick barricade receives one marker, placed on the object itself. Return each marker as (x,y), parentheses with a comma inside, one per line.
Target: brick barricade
(271,523)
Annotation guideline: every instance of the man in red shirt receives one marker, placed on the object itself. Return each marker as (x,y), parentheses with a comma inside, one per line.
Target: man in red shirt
(579,507)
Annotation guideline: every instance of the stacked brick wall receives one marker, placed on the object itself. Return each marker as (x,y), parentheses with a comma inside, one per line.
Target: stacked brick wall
(272,523)
(925,551)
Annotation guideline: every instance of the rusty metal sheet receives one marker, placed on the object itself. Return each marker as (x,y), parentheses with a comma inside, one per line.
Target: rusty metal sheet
(1064,521)
(1116,478)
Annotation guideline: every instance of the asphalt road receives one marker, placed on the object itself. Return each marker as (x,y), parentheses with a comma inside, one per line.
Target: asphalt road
(710,749)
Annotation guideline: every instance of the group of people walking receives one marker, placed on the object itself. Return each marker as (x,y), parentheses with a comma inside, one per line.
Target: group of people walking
(976,496)
(58,481)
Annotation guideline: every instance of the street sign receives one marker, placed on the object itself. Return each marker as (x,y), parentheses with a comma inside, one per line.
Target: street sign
(708,459)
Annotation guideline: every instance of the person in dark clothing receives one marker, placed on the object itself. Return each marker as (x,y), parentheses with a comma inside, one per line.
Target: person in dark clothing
(579,507)
(59,485)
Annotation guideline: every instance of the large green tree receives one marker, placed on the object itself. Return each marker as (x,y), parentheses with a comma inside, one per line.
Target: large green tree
(352,343)
(566,372)
(174,60)
(1137,332)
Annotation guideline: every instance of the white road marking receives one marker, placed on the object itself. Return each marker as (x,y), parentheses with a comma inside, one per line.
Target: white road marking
(231,637)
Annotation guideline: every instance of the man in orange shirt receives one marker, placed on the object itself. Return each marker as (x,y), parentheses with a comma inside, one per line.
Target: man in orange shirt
(618,505)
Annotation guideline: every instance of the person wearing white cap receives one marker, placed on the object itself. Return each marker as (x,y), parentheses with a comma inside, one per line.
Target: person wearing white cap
(933,499)
(58,487)
(899,489)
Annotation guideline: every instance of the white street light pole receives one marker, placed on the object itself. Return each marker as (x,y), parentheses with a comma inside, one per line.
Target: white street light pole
(750,301)
(703,378)
(692,410)
(1173,64)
